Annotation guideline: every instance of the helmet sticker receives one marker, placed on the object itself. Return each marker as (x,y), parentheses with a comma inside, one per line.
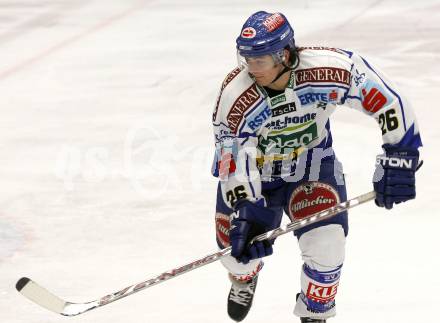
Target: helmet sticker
(248,32)
(273,22)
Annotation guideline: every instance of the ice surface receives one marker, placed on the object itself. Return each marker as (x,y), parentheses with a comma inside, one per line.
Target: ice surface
(94,94)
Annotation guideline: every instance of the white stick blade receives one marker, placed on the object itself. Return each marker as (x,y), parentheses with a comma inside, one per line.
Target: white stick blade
(40,295)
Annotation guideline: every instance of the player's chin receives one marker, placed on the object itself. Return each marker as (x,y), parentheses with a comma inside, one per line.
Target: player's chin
(261,81)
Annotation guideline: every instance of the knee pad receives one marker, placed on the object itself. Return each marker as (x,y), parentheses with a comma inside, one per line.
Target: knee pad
(323,248)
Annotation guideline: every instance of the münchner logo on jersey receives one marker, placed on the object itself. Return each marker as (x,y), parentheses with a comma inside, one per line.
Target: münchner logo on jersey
(322,75)
(310,198)
(273,22)
(248,33)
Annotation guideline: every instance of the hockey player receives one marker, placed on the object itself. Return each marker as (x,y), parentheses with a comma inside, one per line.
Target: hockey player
(274,154)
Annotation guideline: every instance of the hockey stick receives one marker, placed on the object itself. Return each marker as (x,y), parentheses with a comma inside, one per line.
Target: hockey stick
(44,298)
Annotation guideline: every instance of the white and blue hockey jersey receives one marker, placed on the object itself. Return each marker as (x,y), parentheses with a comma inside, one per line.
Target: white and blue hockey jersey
(256,136)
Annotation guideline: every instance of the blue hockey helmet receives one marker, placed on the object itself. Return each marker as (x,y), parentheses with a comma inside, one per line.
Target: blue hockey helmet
(265,33)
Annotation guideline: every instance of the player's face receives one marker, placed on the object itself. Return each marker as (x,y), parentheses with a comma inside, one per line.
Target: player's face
(263,68)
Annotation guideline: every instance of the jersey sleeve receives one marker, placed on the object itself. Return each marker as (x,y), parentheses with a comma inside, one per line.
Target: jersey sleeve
(372,93)
(236,143)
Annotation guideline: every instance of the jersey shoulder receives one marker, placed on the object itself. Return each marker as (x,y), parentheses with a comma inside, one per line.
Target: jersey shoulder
(323,65)
(238,96)
(324,56)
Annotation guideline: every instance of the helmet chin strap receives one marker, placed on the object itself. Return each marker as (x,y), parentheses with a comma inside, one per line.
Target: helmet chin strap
(285,69)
